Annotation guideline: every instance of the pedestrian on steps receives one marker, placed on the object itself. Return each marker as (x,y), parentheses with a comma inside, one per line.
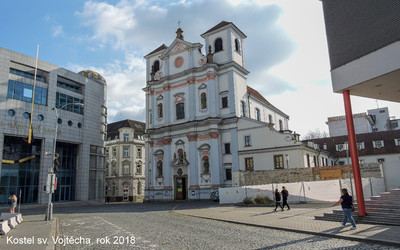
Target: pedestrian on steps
(347,206)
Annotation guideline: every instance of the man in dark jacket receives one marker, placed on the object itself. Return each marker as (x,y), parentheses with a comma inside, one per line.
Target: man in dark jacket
(285,195)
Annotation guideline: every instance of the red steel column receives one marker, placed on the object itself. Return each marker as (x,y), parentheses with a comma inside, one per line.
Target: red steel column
(354,154)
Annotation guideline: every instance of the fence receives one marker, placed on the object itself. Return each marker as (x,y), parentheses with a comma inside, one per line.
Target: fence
(313,191)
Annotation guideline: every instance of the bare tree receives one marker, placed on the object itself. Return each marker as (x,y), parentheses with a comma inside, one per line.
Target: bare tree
(315,135)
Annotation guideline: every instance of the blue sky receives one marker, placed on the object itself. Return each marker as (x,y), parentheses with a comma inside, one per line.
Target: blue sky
(286,48)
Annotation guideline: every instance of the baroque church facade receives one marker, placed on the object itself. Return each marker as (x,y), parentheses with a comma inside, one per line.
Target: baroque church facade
(193,106)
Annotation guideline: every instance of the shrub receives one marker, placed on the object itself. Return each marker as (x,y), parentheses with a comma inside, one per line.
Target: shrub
(262,199)
(248,200)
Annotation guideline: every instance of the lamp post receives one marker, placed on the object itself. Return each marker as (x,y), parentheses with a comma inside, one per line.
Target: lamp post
(49,212)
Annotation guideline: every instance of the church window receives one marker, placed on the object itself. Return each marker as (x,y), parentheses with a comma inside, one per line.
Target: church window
(224,100)
(237,46)
(227,148)
(247,141)
(180,111)
(159,168)
(160,110)
(156,66)
(203,99)
(218,45)
(258,114)
(243,108)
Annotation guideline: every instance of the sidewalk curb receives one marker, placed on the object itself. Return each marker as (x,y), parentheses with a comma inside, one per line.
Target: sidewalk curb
(372,241)
(53,233)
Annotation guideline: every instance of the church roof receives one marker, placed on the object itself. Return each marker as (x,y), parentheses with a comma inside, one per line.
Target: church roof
(112,128)
(261,98)
(162,47)
(220,25)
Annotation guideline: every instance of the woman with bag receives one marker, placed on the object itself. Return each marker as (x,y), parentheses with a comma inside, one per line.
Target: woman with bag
(347,206)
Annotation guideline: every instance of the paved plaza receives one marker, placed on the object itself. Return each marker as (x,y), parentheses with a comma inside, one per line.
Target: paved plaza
(191,225)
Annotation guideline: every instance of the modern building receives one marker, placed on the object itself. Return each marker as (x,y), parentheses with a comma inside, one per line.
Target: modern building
(125,161)
(77,103)
(203,121)
(375,120)
(376,147)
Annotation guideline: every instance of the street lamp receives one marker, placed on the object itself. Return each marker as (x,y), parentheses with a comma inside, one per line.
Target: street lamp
(49,212)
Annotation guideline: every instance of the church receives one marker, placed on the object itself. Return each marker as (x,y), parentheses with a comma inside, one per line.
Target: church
(200,114)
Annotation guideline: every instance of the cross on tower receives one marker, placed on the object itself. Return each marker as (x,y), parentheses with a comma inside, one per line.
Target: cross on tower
(179,23)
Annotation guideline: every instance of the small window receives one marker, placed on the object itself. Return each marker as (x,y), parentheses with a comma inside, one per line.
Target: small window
(126,151)
(341,147)
(114,152)
(227,148)
(378,144)
(258,114)
(70,123)
(59,121)
(139,169)
(126,137)
(249,163)
(27,115)
(270,119)
(224,100)
(360,145)
(237,46)
(218,45)
(397,141)
(280,125)
(278,162)
(79,125)
(11,112)
(228,174)
(139,152)
(247,141)
(40,117)
(126,169)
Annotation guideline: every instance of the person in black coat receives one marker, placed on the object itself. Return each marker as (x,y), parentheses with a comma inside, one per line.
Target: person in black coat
(277,200)
(285,195)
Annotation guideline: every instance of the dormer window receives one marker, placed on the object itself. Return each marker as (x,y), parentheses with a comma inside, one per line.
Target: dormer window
(218,45)
(156,66)
(237,46)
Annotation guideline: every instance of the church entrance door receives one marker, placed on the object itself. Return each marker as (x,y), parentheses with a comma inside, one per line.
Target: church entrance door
(180,188)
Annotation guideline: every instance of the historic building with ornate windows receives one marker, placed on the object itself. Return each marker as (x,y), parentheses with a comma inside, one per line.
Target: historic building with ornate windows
(77,103)
(125,161)
(201,117)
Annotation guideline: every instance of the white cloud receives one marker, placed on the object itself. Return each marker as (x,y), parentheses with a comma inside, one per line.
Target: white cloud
(58,30)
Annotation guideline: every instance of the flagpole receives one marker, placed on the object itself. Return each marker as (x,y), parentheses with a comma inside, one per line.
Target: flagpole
(33,96)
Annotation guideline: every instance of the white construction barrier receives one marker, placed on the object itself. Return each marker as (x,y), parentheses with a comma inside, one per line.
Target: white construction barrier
(4,227)
(323,191)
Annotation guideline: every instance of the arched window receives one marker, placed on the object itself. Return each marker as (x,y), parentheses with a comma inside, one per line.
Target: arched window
(180,111)
(243,108)
(203,99)
(258,114)
(270,119)
(218,45)
(160,110)
(156,66)
(237,46)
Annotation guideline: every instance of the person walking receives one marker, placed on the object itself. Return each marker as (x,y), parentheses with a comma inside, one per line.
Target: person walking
(285,195)
(277,200)
(347,206)
(13,205)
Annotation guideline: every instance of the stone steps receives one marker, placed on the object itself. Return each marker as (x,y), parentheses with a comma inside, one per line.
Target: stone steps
(383,209)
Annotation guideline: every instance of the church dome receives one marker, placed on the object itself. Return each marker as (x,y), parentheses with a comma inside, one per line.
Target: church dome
(93,75)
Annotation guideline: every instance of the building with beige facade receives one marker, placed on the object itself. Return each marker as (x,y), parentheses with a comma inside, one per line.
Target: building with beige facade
(125,161)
